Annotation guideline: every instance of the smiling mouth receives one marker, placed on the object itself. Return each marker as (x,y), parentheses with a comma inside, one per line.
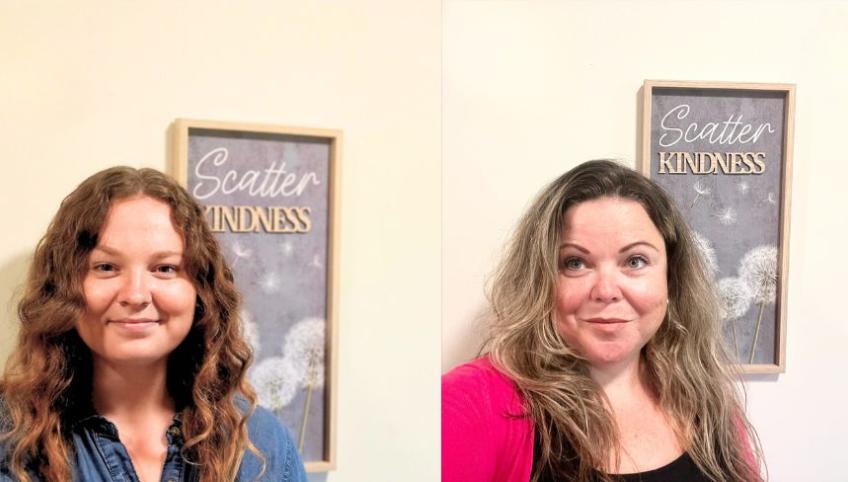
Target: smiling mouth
(606,321)
(135,322)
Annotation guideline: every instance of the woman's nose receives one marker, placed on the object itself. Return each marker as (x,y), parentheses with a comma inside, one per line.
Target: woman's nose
(606,288)
(135,290)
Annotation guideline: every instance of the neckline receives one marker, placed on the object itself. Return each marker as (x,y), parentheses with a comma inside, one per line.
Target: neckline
(657,471)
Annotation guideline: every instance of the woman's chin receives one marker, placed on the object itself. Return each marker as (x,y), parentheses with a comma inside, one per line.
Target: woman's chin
(610,353)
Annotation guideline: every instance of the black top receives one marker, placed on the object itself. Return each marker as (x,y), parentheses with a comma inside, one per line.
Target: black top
(680,469)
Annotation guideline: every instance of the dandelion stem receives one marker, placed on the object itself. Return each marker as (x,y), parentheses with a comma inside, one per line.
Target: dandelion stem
(735,342)
(757,331)
(305,418)
(310,382)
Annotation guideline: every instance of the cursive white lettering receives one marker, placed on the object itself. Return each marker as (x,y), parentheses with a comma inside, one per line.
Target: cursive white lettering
(273,181)
(724,132)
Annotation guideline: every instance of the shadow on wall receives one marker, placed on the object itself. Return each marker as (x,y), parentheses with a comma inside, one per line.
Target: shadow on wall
(465,345)
(12,277)
(317,477)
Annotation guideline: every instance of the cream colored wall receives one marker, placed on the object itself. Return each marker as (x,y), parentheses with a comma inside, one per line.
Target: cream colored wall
(86,87)
(532,88)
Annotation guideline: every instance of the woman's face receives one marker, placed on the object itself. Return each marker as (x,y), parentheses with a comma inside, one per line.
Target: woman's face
(611,287)
(139,301)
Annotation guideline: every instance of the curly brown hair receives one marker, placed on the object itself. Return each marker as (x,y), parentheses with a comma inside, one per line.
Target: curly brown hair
(50,370)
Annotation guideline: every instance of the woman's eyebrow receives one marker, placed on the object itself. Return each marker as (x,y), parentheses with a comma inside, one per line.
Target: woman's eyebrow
(166,254)
(157,255)
(638,243)
(106,249)
(576,246)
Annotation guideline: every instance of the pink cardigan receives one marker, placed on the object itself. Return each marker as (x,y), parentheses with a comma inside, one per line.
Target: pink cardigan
(485,437)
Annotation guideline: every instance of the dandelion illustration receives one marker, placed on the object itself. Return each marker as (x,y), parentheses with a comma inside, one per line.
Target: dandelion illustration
(727,216)
(270,282)
(287,248)
(240,252)
(304,349)
(707,252)
(250,330)
(275,381)
(758,269)
(771,198)
(316,262)
(735,300)
(743,187)
(701,189)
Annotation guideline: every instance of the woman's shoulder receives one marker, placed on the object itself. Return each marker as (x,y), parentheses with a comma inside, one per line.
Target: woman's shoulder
(270,437)
(486,432)
(479,383)
(265,428)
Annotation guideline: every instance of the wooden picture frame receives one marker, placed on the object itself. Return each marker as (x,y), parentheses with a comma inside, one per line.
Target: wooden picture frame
(271,195)
(723,151)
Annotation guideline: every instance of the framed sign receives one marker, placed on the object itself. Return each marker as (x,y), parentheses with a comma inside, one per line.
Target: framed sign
(271,196)
(723,151)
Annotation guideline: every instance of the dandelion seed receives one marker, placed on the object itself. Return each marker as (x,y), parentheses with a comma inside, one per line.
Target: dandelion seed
(240,252)
(250,330)
(758,269)
(771,198)
(270,282)
(735,300)
(707,253)
(727,216)
(316,262)
(304,346)
(743,187)
(275,381)
(701,189)
(287,248)
(735,296)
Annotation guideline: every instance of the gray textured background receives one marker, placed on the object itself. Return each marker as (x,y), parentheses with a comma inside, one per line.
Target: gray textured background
(757,208)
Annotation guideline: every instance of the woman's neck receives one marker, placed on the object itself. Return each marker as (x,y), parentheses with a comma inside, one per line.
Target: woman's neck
(131,392)
(622,382)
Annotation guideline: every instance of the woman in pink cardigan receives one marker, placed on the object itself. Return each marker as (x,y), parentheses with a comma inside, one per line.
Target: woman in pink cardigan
(605,359)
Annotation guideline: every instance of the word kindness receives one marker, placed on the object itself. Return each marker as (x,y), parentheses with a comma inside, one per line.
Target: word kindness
(250,219)
(271,182)
(729,134)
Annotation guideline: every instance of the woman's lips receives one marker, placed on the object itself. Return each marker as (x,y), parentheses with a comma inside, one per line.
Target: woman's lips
(133,325)
(135,321)
(606,321)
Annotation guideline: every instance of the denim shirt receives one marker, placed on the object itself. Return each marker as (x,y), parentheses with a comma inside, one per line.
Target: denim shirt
(101,457)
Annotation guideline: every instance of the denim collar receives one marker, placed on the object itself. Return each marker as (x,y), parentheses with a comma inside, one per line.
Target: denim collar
(83,415)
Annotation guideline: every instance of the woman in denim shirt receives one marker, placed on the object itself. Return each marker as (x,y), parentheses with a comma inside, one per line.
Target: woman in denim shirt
(130,362)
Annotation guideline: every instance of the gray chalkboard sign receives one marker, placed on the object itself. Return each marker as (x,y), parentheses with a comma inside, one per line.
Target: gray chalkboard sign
(270,195)
(723,151)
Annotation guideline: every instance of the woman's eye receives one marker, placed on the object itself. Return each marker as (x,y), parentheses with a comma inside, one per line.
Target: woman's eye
(103,267)
(573,264)
(636,262)
(167,269)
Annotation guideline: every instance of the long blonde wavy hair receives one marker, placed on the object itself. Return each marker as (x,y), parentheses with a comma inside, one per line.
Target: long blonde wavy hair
(47,379)
(685,363)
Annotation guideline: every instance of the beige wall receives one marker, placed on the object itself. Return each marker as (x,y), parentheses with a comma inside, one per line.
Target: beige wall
(532,88)
(89,87)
